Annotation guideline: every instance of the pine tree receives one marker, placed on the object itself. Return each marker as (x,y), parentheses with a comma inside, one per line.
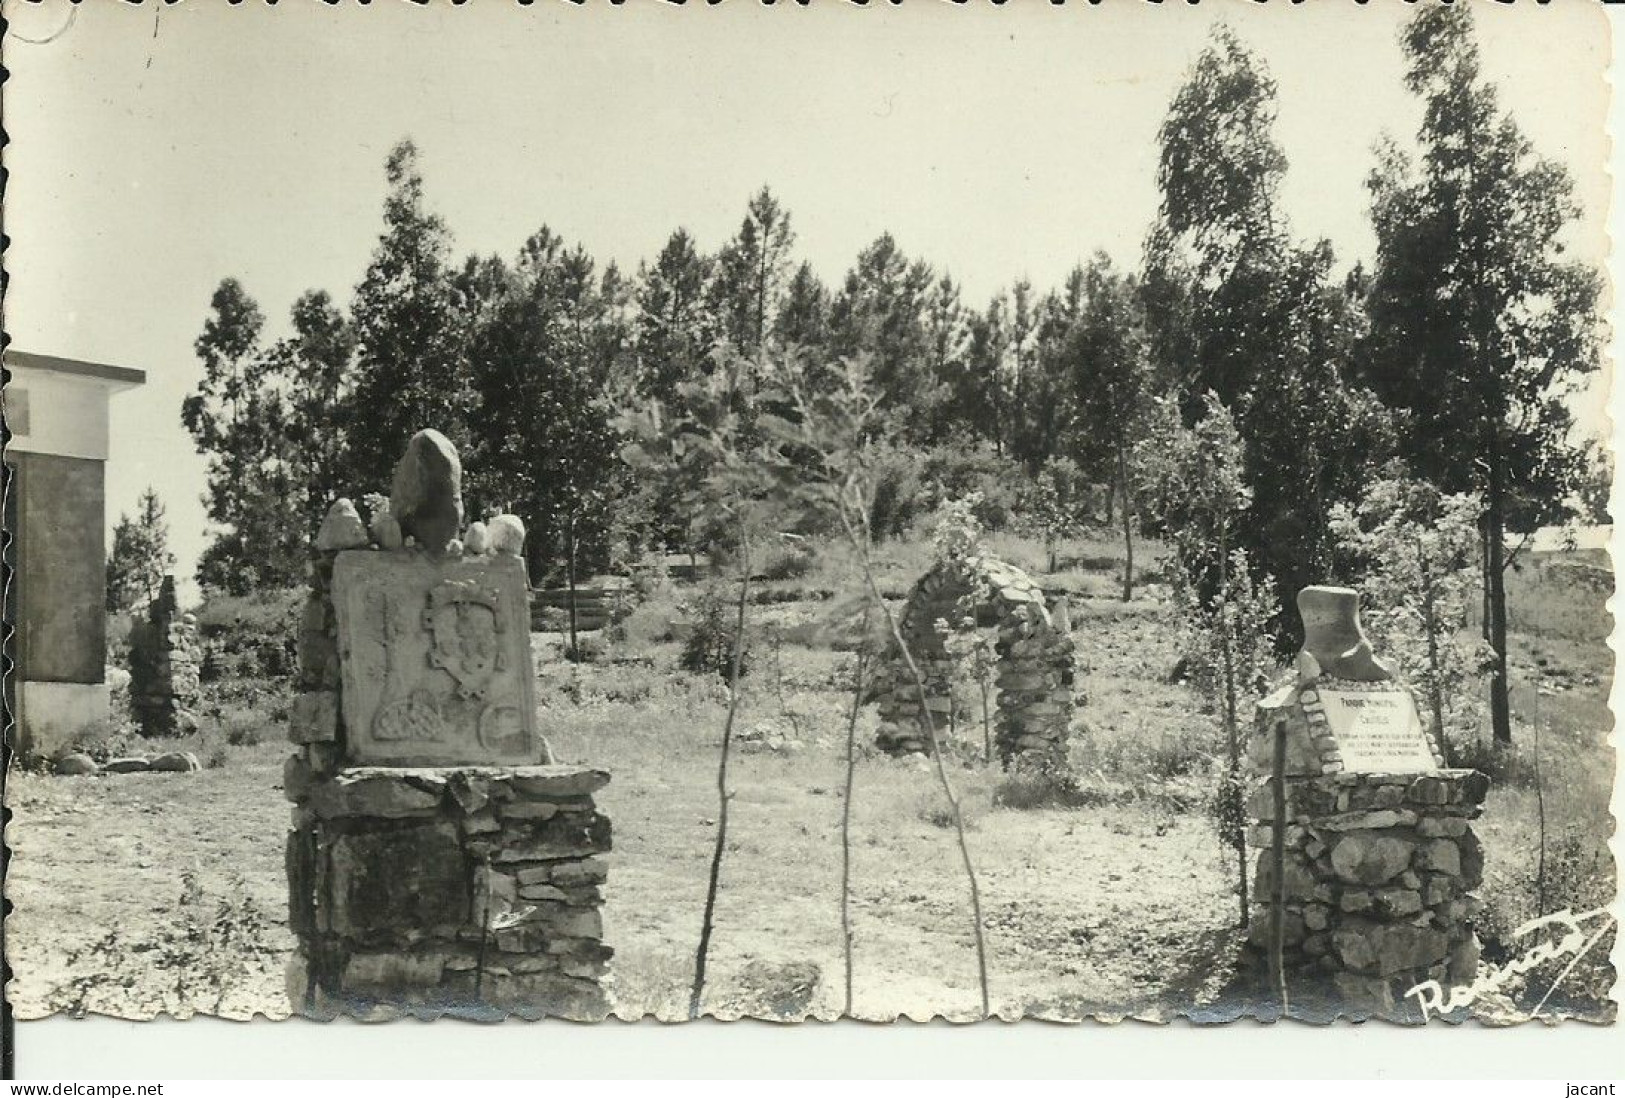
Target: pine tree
(410,333)
(880,312)
(980,398)
(750,274)
(1478,323)
(140,557)
(803,316)
(544,447)
(677,330)
(1264,326)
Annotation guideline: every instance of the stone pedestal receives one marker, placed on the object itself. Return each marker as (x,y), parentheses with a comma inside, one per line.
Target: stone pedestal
(465,890)
(1379,858)
(1379,873)
(438,862)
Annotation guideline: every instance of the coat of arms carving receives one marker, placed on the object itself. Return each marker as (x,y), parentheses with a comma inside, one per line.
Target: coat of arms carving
(465,625)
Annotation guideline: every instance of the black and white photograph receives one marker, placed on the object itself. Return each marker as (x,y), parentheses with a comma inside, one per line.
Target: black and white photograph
(809,511)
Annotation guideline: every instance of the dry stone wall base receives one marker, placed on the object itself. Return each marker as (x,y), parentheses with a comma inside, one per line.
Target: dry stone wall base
(473,891)
(1379,872)
(1033,675)
(165,659)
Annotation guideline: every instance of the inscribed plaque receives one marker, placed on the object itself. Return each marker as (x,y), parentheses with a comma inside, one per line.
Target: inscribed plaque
(1377,730)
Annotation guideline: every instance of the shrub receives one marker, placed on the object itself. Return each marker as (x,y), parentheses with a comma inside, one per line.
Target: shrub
(955,472)
(791,559)
(118,638)
(897,493)
(588,649)
(245,733)
(712,637)
(1030,784)
(649,624)
(932,808)
(105,739)
(250,636)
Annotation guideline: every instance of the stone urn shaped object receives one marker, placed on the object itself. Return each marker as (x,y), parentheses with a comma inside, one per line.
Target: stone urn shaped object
(1333,642)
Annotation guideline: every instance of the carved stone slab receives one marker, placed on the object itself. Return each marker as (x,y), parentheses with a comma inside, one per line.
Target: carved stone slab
(1377,730)
(435,658)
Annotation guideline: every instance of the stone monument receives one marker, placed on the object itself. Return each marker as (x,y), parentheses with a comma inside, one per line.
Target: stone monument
(1375,839)
(1034,672)
(164,667)
(439,860)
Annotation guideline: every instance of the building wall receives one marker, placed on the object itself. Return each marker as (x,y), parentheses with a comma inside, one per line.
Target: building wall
(57,410)
(52,414)
(61,569)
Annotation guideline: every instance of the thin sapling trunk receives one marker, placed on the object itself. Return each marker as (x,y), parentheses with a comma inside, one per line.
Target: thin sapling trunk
(846,807)
(723,795)
(1232,740)
(1128,527)
(936,754)
(570,569)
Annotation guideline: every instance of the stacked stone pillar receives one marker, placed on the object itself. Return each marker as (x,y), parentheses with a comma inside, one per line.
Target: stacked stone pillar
(165,658)
(1379,858)
(439,861)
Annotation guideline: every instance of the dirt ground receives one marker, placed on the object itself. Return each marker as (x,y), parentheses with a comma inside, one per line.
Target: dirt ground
(1064,930)
(151,892)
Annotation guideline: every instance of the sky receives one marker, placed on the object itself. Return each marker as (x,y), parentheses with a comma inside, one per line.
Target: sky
(155,151)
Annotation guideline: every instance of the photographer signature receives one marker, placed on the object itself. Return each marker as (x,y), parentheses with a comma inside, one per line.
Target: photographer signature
(1431,997)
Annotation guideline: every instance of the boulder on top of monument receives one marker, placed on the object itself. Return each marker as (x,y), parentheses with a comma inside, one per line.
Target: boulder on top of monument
(341,529)
(426,494)
(505,535)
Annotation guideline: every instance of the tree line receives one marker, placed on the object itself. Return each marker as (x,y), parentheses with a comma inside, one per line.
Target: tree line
(1448,359)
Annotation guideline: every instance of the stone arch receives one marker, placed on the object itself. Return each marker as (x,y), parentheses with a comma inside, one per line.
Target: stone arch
(1034,673)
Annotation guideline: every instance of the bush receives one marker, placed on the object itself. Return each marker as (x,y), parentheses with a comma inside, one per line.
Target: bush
(898,498)
(955,472)
(588,649)
(1035,785)
(712,637)
(649,624)
(933,808)
(105,739)
(243,732)
(118,638)
(789,560)
(250,636)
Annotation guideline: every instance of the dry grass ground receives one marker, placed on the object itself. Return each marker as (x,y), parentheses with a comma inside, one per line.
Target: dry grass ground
(1116,905)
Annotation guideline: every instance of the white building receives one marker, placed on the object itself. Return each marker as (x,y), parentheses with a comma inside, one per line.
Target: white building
(55,516)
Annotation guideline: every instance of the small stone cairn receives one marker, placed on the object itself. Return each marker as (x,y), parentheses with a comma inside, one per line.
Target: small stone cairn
(1034,675)
(439,862)
(1380,858)
(165,656)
